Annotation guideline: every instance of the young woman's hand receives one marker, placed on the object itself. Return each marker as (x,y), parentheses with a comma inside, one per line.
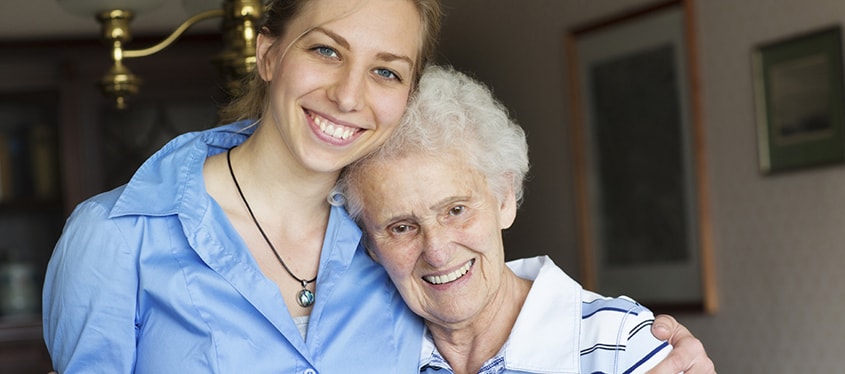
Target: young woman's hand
(687,356)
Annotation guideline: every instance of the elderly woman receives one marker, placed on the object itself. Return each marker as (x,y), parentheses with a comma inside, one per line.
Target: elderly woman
(434,202)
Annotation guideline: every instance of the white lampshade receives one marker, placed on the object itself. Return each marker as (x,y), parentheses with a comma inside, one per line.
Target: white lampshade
(89,8)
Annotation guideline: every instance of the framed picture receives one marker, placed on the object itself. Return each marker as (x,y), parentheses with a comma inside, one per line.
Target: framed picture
(799,101)
(641,190)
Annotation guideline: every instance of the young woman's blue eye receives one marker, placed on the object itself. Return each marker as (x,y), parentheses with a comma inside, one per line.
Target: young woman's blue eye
(326,51)
(387,73)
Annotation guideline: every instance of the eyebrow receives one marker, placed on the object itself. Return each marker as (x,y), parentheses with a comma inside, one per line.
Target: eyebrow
(449,201)
(384,56)
(383,224)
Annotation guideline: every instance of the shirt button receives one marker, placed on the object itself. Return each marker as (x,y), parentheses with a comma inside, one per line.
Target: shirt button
(310,371)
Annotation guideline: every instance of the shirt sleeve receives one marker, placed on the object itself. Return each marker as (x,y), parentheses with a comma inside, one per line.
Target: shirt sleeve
(642,350)
(616,336)
(89,296)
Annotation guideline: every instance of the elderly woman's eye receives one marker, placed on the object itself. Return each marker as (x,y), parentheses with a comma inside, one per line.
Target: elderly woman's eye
(401,229)
(457,210)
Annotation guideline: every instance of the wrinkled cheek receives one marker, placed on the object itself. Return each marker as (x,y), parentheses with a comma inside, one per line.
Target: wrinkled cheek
(399,273)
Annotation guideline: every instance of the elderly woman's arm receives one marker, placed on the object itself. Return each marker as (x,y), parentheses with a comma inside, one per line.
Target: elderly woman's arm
(688,355)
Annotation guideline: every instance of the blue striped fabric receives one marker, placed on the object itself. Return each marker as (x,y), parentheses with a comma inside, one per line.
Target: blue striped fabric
(567,330)
(616,336)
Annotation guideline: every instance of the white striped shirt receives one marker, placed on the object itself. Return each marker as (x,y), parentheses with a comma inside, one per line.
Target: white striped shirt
(563,328)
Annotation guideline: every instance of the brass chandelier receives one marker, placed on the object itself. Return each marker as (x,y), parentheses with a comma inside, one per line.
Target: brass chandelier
(236,59)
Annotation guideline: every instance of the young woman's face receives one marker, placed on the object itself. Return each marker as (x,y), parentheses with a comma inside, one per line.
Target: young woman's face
(340,77)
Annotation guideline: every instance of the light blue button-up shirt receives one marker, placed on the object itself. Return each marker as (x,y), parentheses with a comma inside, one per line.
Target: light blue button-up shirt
(152,278)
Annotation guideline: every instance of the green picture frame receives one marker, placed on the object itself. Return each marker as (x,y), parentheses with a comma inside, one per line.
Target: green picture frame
(799,99)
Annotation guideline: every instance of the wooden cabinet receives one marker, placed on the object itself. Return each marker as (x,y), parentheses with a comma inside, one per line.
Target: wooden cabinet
(31,217)
(30,202)
(61,142)
(22,349)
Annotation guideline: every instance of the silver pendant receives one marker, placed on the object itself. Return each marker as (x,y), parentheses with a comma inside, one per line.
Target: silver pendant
(305,298)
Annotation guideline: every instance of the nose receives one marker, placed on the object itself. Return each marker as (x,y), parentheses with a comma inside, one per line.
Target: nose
(347,92)
(438,246)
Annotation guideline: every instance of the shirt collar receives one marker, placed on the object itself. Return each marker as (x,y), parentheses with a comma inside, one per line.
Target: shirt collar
(546,335)
(173,175)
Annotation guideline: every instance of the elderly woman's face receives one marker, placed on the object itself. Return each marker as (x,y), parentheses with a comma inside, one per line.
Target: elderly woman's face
(436,228)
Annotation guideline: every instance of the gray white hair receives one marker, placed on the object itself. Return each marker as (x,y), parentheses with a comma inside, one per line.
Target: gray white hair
(454,115)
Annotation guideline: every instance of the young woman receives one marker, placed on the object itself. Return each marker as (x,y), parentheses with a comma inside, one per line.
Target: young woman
(222,254)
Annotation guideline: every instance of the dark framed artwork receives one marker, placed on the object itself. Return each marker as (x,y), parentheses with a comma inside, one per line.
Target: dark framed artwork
(638,152)
(799,101)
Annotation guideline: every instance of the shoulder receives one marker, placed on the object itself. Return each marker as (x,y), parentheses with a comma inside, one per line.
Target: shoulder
(617,331)
(609,306)
(90,233)
(611,315)
(95,209)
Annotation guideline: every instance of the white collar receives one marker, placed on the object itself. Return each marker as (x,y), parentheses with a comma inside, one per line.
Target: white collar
(546,335)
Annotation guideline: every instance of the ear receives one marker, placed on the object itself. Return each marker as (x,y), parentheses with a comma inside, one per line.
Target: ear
(265,61)
(507,209)
(365,241)
(373,256)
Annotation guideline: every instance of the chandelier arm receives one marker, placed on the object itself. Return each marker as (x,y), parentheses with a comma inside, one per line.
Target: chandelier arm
(132,53)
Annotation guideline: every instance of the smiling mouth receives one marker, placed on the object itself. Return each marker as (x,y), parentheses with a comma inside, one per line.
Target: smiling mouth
(451,277)
(332,129)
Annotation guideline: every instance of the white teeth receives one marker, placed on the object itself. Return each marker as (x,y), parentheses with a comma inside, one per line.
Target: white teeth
(338,132)
(332,129)
(446,278)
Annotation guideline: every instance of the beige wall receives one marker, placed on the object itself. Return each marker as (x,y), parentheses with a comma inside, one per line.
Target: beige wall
(778,240)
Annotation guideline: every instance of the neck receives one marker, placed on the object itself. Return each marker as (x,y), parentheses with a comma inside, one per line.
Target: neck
(290,205)
(468,347)
(277,179)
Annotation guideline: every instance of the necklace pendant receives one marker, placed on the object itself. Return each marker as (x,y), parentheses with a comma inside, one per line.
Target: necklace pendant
(305,298)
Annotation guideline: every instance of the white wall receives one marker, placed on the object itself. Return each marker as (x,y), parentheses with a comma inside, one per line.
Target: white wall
(778,240)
